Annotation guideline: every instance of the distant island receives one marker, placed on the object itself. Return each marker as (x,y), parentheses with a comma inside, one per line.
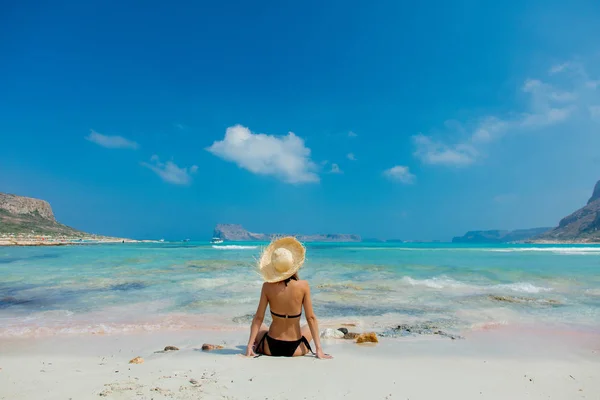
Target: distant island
(26,221)
(499,236)
(583,226)
(236,233)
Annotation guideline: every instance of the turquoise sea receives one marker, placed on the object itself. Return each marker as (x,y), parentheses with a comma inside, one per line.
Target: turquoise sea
(170,286)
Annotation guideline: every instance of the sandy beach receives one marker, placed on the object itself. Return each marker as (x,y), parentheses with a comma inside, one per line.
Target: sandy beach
(485,365)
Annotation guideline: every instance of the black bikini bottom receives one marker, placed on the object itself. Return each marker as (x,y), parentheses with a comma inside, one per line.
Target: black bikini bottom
(281,348)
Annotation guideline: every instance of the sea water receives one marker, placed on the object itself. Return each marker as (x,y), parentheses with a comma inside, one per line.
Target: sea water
(170,286)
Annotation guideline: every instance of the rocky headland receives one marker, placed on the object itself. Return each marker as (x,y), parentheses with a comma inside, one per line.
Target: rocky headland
(26,221)
(582,226)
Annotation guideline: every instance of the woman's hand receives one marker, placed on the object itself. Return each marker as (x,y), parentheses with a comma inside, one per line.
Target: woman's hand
(323,356)
(250,351)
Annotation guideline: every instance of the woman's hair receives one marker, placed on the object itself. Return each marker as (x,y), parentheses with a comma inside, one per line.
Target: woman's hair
(293,277)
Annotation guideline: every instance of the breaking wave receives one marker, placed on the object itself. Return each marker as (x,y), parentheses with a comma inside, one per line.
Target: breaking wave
(234,247)
(443,282)
(555,250)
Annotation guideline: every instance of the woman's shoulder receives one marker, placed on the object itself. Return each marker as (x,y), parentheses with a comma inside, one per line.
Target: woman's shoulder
(302,283)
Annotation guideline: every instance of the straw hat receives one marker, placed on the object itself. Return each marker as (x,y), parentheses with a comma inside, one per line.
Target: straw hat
(281,259)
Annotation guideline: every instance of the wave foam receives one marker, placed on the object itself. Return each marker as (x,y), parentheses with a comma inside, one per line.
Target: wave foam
(234,247)
(435,283)
(444,282)
(523,287)
(555,250)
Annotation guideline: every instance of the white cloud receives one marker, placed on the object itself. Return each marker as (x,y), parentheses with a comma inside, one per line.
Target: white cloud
(351,157)
(335,169)
(400,173)
(549,104)
(432,152)
(111,142)
(170,172)
(555,69)
(180,126)
(352,134)
(285,157)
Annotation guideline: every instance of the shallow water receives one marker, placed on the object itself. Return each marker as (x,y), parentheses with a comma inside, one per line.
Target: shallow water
(128,287)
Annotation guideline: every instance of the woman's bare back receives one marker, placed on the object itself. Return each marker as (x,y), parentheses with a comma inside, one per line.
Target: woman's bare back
(285,300)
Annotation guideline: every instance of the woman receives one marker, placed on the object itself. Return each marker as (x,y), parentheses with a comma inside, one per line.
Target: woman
(286,295)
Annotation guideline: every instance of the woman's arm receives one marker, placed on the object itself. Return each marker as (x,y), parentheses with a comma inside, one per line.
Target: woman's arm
(257,321)
(311,318)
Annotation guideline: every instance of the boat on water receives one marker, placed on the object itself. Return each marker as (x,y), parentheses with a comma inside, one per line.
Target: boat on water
(216,240)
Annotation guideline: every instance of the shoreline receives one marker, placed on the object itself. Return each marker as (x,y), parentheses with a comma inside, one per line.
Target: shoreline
(26,242)
(489,365)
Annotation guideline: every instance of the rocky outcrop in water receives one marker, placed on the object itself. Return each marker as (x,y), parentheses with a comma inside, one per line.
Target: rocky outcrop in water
(236,233)
(499,236)
(581,226)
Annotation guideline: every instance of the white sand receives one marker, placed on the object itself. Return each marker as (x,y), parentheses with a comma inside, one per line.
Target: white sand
(483,366)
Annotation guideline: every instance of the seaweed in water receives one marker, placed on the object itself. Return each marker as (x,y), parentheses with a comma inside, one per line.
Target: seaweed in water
(423,328)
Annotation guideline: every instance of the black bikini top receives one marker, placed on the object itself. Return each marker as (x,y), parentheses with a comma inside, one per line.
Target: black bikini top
(286,316)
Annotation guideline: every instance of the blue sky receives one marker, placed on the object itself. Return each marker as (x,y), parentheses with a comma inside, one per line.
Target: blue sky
(388,119)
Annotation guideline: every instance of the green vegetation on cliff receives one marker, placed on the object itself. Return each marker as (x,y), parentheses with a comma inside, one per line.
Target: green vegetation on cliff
(33,224)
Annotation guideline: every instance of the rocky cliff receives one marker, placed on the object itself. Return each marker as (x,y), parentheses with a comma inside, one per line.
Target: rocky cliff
(498,236)
(26,206)
(26,216)
(581,226)
(233,232)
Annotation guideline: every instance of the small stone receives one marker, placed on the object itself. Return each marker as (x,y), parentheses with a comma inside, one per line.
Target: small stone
(332,334)
(171,348)
(367,337)
(343,330)
(351,335)
(137,360)
(209,347)
(193,381)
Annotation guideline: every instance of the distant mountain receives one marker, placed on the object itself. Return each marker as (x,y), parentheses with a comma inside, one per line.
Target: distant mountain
(581,226)
(498,236)
(236,233)
(26,216)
